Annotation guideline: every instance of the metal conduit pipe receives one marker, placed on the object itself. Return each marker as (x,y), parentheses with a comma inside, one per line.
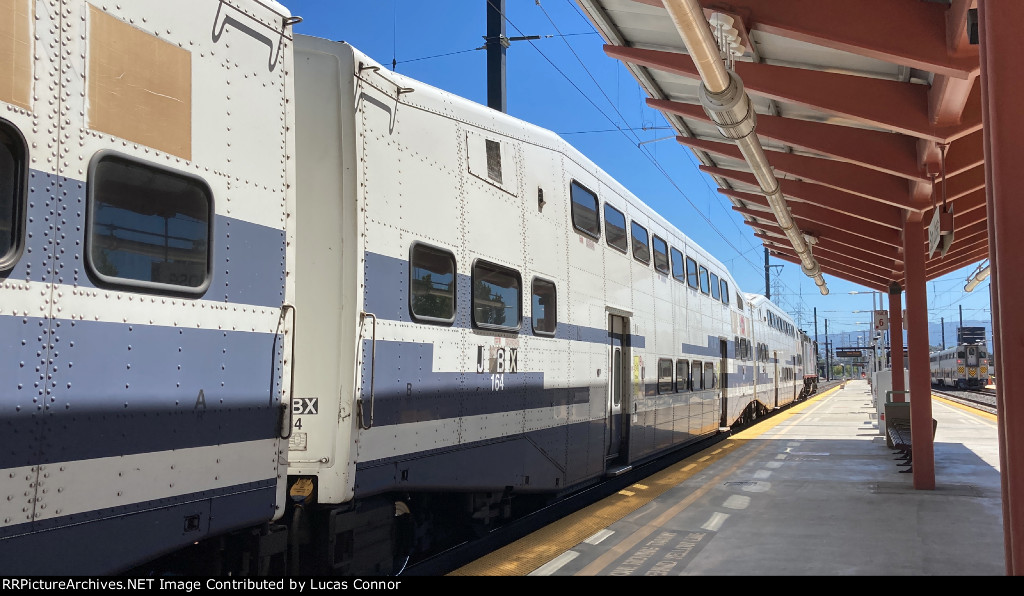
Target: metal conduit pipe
(727,104)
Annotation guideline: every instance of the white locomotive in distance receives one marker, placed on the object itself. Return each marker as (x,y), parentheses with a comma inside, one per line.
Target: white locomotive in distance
(965,366)
(268,307)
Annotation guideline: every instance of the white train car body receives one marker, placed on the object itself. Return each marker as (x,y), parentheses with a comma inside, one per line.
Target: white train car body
(965,366)
(495,313)
(142,277)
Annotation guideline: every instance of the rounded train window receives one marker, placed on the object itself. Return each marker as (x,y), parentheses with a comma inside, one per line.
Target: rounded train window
(13,176)
(148,226)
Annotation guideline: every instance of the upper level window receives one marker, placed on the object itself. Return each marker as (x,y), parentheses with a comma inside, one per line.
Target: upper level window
(716,287)
(543,308)
(691,273)
(705,285)
(496,296)
(148,226)
(615,228)
(739,301)
(678,269)
(660,254)
(584,210)
(12,193)
(725,291)
(432,284)
(641,252)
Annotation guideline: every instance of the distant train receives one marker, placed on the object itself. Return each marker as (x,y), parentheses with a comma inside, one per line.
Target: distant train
(269,308)
(966,366)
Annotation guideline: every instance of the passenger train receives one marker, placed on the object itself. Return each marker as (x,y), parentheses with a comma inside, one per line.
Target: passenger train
(269,308)
(965,366)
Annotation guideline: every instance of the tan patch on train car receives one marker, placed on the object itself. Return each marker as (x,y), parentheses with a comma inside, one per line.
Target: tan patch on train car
(139,86)
(16,51)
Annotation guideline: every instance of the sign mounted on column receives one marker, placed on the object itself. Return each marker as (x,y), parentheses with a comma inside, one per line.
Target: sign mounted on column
(881,320)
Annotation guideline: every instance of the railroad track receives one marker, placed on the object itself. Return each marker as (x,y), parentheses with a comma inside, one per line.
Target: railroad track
(984,400)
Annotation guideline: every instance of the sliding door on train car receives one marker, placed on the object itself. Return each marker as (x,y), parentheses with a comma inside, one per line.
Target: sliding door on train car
(775,376)
(723,379)
(618,391)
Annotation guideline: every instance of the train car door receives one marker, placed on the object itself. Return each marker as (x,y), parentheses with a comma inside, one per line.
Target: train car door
(723,379)
(618,390)
(775,376)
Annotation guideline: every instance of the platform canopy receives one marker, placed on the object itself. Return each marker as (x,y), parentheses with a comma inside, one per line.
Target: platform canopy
(868,112)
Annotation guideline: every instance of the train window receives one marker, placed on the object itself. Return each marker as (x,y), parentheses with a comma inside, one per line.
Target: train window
(615,228)
(432,284)
(715,287)
(682,375)
(13,174)
(496,296)
(678,270)
(704,284)
(739,301)
(665,375)
(148,226)
(710,379)
(660,254)
(494,160)
(725,292)
(584,210)
(691,273)
(697,380)
(544,311)
(641,251)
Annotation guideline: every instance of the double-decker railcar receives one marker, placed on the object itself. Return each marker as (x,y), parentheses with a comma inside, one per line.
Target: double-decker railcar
(276,309)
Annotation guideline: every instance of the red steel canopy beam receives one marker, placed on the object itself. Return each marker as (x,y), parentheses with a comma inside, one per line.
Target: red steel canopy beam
(876,214)
(892,105)
(842,263)
(840,175)
(831,248)
(825,196)
(871,282)
(823,218)
(881,249)
(887,152)
(909,33)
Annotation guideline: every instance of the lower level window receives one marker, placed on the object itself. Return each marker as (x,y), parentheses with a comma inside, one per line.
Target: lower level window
(12,193)
(432,284)
(148,226)
(497,295)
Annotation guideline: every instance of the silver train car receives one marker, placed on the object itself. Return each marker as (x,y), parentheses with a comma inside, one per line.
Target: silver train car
(965,366)
(271,308)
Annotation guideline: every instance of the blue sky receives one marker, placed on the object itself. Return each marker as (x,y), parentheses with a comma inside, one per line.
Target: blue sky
(567,84)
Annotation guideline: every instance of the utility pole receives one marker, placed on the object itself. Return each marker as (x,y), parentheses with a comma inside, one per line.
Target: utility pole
(496,44)
(942,323)
(828,362)
(767,276)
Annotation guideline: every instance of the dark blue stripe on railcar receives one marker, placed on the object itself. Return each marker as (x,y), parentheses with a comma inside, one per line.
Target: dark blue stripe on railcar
(118,389)
(542,460)
(386,295)
(248,258)
(111,540)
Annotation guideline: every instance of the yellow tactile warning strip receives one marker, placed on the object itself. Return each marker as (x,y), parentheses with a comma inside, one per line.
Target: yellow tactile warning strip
(976,412)
(540,547)
(140,86)
(16,52)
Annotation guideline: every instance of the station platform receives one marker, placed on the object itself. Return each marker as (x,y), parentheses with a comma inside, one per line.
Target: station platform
(811,491)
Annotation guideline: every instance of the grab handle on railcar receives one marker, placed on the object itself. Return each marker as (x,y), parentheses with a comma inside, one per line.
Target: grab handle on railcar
(363,424)
(285,432)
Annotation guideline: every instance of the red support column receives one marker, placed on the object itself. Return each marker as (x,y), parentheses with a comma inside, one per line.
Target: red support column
(1003,129)
(896,339)
(917,352)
